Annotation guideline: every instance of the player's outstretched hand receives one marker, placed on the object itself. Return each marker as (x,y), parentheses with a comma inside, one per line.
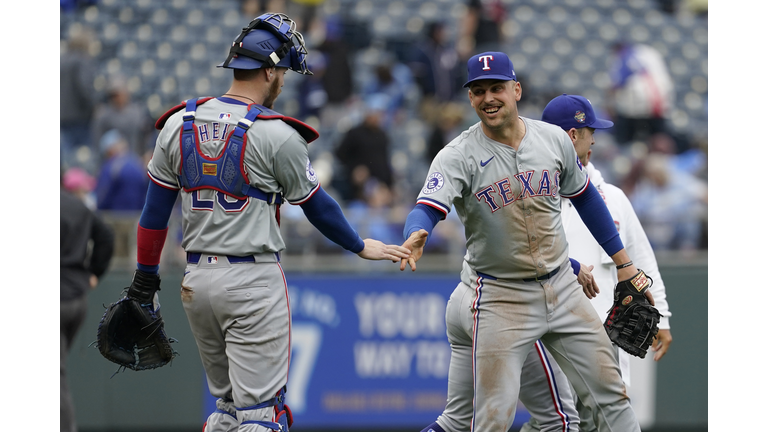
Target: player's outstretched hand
(415,244)
(376,250)
(588,282)
(628,273)
(661,343)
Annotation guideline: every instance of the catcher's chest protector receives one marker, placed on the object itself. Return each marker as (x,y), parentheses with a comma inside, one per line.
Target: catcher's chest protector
(225,173)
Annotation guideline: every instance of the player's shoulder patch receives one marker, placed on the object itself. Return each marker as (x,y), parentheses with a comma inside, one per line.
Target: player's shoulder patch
(435,182)
(311,174)
(163,118)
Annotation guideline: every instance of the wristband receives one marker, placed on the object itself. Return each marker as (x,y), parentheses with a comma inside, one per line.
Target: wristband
(625,265)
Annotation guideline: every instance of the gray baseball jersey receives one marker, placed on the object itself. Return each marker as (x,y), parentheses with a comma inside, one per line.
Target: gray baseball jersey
(234,291)
(516,282)
(507,199)
(276,160)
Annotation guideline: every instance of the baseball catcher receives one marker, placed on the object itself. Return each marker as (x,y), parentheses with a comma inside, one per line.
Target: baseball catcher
(632,322)
(131,331)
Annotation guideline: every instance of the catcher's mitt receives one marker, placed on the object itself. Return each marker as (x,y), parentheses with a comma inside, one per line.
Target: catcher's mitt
(131,331)
(632,322)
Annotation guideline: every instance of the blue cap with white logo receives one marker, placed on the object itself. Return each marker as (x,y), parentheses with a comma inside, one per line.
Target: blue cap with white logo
(490,65)
(570,111)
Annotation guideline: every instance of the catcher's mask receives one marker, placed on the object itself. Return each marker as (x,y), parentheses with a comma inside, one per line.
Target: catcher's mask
(269,40)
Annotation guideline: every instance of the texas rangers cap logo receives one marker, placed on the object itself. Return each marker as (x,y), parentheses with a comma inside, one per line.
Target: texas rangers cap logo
(580,116)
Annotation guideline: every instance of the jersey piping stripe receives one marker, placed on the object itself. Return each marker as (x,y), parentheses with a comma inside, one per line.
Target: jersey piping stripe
(163,183)
(306,198)
(475,326)
(583,189)
(434,204)
(553,391)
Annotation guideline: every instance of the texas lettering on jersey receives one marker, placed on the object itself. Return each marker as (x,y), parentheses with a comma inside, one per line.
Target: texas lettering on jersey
(501,194)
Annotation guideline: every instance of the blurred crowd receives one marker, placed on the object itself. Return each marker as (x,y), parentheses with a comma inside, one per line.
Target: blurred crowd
(384,109)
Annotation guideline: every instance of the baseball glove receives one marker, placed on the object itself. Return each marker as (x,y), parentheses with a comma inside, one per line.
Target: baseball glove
(632,322)
(131,331)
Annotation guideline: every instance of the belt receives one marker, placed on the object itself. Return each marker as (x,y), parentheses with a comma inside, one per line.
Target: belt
(544,277)
(194,258)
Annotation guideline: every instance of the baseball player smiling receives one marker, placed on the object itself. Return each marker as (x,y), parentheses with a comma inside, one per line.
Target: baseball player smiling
(506,177)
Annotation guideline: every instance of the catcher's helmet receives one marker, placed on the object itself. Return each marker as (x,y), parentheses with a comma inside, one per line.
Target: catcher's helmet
(269,40)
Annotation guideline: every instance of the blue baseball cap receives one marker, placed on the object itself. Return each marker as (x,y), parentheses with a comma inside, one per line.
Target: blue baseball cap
(490,65)
(571,111)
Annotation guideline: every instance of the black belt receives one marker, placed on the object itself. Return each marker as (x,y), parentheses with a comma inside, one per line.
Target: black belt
(545,277)
(194,258)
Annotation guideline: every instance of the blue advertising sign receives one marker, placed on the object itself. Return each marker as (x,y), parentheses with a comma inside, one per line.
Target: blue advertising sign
(368,351)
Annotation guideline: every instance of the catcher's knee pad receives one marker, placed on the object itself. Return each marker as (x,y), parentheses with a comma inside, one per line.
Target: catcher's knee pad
(273,415)
(224,419)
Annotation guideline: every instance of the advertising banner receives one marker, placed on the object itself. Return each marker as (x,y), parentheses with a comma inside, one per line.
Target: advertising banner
(369,351)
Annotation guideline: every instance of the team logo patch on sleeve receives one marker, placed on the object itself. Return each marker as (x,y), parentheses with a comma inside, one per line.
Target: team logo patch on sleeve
(434,183)
(311,175)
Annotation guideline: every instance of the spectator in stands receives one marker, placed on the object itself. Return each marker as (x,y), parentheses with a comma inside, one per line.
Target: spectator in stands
(129,117)
(448,126)
(670,203)
(481,28)
(121,189)
(393,79)
(77,99)
(122,182)
(435,66)
(337,79)
(364,154)
(80,184)
(86,251)
(641,97)
(312,96)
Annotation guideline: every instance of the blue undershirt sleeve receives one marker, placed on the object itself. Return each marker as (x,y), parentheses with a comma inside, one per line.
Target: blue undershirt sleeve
(598,219)
(158,207)
(324,213)
(576,266)
(422,217)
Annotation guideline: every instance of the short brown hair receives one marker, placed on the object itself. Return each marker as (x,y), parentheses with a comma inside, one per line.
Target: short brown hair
(246,74)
